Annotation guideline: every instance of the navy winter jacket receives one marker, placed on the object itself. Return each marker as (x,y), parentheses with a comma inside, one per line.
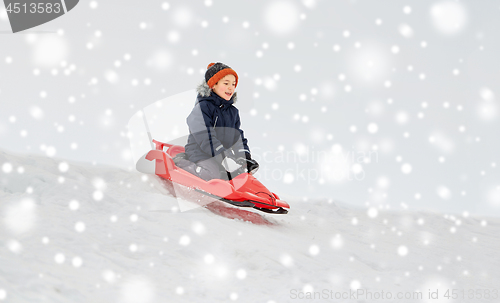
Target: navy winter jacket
(214,127)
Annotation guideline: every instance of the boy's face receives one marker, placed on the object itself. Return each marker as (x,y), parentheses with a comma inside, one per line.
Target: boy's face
(225,87)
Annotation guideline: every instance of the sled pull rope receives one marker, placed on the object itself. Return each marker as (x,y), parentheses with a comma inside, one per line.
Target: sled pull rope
(147,128)
(272,197)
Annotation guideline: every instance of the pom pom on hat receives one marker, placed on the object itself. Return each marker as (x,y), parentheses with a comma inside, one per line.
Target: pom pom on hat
(217,71)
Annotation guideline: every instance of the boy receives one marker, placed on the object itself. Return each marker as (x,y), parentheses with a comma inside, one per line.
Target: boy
(215,137)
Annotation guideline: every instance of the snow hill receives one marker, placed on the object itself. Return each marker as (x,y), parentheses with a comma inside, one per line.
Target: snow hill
(73,232)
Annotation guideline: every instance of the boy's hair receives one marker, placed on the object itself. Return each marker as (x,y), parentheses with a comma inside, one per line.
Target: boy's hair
(217,71)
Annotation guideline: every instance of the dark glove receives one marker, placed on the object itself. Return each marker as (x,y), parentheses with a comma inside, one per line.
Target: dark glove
(251,165)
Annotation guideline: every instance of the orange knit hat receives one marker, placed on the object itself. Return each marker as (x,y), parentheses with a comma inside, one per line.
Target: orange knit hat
(217,71)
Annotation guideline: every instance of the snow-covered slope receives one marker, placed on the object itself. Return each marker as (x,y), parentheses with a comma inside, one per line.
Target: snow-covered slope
(72,232)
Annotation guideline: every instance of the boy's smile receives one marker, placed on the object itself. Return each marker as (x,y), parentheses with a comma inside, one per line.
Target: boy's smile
(225,87)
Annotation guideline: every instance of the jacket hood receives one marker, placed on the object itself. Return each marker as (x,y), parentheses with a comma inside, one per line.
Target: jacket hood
(204,90)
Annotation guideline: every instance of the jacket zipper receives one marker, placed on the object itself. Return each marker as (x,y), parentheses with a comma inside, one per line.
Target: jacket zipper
(215,123)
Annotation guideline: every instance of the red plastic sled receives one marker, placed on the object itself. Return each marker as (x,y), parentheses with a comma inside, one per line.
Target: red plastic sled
(243,190)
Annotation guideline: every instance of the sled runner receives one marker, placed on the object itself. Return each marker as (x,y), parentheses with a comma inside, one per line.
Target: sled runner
(244,190)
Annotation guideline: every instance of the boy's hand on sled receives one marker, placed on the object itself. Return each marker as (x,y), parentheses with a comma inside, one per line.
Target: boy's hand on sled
(251,165)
